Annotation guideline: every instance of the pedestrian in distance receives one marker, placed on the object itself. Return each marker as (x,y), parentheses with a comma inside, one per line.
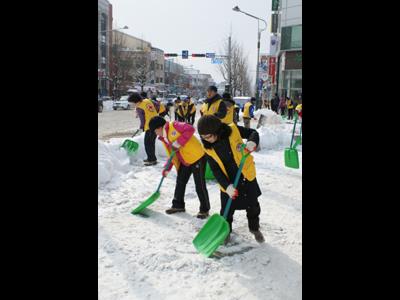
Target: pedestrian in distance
(290,108)
(230,108)
(176,106)
(145,109)
(191,112)
(222,144)
(282,105)
(248,112)
(189,158)
(275,103)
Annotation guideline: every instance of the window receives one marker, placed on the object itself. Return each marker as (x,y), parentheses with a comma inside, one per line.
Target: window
(291,37)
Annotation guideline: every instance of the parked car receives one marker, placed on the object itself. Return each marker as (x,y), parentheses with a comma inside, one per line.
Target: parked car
(99,105)
(122,103)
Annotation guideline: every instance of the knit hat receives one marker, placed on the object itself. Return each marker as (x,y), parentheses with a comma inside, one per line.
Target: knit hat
(208,124)
(156,122)
(135,97)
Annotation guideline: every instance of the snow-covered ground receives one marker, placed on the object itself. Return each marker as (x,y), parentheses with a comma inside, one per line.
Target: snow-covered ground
(152,256)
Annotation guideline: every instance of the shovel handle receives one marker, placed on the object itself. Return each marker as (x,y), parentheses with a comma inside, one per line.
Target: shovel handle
(294,127)
(235,183)
(166,167)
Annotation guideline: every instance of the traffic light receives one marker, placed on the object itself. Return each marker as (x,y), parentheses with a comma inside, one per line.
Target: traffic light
(198,55)
(185,54)
(170,54)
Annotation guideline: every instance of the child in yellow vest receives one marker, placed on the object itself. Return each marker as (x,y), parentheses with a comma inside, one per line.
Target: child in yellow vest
(189,158)
(222,144)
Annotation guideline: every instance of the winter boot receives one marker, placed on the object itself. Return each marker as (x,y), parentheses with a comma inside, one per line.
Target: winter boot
(258,236)
(150,163)
(203,214)
(173,210)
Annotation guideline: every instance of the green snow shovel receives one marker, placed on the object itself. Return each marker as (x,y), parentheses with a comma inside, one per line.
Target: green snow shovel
(215,231)
(209,174)
(291,154)
(156,194)
(298,139)
(130,146)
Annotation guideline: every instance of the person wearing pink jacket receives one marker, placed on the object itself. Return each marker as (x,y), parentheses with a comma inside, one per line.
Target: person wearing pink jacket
(189,158)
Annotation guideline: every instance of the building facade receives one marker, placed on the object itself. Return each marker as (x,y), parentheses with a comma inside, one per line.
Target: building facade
(288,39)
(157,77)
(104,28)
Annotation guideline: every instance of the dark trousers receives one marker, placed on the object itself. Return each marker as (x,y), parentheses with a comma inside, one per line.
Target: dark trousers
(290,114)
(176,116)
(198,169)
(246,122)
(253,214)
(150,145)
(191,118)
(282,111)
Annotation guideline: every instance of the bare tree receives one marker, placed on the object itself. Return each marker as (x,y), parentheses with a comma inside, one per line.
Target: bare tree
(142,67)
(122,64)
(240,79)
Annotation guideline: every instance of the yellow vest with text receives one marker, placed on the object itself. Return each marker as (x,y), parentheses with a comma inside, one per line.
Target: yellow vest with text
(235,140)
(191,152)
(149,111)
(246,110)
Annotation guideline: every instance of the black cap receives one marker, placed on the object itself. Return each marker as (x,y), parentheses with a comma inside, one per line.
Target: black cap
(212,88)
(208,124)
(143,94)
(156,122)
(135,98)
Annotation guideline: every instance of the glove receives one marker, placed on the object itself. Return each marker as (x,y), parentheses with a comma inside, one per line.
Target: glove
(165,173)
(232,192)
(251,146)
(176,145)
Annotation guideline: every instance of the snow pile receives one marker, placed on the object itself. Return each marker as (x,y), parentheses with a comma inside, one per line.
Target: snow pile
(275,136)
(108,105)
(111,161)
(270,116)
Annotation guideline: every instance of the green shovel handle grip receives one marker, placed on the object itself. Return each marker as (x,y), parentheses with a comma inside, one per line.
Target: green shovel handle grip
(165,168)
(235,183)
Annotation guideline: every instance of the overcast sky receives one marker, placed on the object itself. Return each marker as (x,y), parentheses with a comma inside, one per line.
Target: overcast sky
(198,26)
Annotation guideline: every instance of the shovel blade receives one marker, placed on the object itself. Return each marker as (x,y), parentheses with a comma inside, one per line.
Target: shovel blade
(291,158)
(146,203)
(209,174)
(212,235)
(130,146)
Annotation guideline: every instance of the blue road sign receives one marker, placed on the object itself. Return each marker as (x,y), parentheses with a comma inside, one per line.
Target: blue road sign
(216,61)
(210,55)
(185,54)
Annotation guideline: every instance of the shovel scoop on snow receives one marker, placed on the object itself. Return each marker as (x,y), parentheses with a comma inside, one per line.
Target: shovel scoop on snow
(291,155)
(156,194)
(215,231)
(130,146)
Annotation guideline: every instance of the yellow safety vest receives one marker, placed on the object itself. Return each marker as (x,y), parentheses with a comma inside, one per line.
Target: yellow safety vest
(193,107)
(149,111)
(211,109)
(299,107)
(246,111)
(229,115)
(191,152)
(162,108)
(182,109)
(289,104)
(235,140)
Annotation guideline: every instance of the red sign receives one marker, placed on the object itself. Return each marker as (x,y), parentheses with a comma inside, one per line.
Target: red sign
(271,64)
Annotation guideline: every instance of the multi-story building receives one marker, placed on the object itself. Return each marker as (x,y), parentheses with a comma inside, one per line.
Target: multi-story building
(289,51)
(157,76)
(104,17)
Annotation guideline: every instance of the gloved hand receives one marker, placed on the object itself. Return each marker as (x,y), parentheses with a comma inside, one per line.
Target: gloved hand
(165,173)
(251,146)
(232,192)
(176,145)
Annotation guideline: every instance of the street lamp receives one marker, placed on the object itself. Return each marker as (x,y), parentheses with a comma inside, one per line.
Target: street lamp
(237,9)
